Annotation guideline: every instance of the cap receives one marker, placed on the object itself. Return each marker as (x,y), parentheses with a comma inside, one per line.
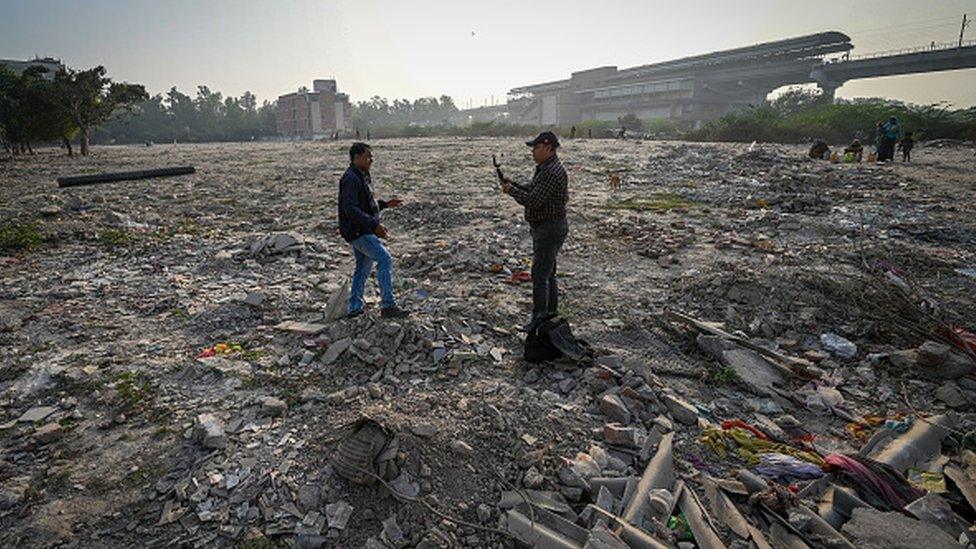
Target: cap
(546,138)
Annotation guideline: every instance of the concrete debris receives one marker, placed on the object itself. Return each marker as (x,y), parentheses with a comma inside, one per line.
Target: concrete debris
(918,446)
(274,244)
(701,528)
(619,435)
(934,509)
(49,433)
(614,408)
(37,413)
(337,514)
(680,409)
(273,406)
(209,389)
(209,431)
(752,370)
(871,529)
(304,328)
(838,346)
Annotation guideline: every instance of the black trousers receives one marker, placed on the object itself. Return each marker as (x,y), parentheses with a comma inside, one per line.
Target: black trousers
(547,239)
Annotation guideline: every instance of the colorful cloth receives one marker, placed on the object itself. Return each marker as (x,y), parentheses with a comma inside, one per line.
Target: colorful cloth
(875,482)
(749,447)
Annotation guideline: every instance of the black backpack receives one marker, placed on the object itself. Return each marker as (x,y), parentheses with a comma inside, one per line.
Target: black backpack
(551,339)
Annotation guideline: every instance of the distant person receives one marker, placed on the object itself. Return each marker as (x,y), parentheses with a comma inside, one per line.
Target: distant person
(359,224)
(545,201)
(890,134)
(572,132)
(819,150)
(906,146)
(357,135)
(367,135)
(854,152)
(622,134)
(589,133)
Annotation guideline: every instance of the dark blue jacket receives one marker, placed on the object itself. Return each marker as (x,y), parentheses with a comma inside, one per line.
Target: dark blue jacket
(359,212)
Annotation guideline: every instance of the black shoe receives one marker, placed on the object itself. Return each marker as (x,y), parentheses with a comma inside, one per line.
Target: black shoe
(354,314)
(394,312)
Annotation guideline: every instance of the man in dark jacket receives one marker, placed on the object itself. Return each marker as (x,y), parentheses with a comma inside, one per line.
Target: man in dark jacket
(359,224)
(545,210)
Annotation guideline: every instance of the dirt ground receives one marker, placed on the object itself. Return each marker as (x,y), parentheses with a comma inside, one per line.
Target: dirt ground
(103,318)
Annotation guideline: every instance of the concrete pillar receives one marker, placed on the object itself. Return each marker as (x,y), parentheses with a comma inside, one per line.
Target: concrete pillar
(829,90)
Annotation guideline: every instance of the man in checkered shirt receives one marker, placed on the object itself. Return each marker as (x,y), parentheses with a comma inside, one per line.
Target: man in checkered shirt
(545,210)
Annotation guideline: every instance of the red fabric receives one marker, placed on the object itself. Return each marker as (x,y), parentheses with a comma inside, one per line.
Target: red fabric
(732,423)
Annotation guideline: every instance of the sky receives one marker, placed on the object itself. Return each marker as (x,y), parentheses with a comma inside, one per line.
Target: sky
(472,51)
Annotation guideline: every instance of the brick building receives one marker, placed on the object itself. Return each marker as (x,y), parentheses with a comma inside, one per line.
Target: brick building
(314,114)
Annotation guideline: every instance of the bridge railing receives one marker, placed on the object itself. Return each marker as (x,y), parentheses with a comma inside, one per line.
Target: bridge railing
(934,46)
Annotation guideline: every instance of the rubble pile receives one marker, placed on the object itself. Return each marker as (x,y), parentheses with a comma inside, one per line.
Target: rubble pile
(783,352)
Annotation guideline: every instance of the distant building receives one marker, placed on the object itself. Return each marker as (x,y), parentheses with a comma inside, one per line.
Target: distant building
(314,114)
(52,65)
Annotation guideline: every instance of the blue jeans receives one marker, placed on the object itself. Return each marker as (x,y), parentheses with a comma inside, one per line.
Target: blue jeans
(369,249)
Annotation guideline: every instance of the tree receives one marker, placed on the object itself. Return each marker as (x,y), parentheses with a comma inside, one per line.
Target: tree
(88,98)
(797,99)
(631,122)
(27,110)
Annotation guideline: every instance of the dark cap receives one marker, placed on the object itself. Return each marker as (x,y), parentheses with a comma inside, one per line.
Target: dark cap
(546,138)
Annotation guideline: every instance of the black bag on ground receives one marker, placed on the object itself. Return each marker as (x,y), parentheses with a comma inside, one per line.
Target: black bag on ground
(551,339)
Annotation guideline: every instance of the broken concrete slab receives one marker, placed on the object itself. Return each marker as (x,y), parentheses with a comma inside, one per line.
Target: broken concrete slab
(682,410)
(620,435)
(659,473)
(272,406)
(872,529)
(209,430)
(918,446)
(934,509)
(724,509)
(37,413)
(338,303)
(614,408)
(950,394)
(705,535)
(544,499)
(335,350)
(602,537)
(304,328)
(752,370)
(543,529)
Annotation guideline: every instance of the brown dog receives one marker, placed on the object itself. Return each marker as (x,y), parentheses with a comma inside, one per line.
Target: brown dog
(614,182)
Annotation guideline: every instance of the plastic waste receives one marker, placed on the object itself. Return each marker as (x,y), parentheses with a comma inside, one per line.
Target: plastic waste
(786,468)
(678,525)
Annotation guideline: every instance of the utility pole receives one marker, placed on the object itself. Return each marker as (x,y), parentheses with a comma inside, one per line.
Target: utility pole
(962,30)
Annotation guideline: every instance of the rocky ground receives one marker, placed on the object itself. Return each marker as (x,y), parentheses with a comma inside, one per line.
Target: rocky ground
(169,375)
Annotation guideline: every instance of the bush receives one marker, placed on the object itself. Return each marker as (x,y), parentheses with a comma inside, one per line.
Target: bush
(20,237)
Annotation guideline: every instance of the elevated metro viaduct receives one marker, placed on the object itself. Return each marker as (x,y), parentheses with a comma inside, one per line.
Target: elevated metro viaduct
(704,87)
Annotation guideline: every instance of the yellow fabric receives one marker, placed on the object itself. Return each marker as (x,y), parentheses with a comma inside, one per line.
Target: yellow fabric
(749,448)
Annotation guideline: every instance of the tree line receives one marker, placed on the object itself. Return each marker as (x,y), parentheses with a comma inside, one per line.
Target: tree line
(804,115)
(69,104)
(378,112)
(207,117)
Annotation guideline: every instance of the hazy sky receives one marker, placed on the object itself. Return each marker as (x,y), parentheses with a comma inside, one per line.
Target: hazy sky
(469,50)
